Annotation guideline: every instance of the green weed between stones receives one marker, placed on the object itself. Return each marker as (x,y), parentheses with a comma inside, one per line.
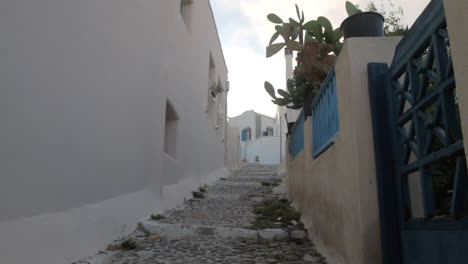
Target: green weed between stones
(198,195)
(157,217)
(276,211)
(275,183)
(202,189)
(128,244)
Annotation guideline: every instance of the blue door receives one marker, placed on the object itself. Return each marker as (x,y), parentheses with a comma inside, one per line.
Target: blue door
(420,155)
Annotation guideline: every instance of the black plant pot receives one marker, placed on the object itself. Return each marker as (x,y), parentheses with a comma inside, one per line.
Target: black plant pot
(366,24)
(307,105)
(290,126)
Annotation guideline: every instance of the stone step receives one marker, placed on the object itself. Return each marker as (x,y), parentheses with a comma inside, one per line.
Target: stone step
(176,231)
(240,183)
(251,178)
(212,250)
(243,173)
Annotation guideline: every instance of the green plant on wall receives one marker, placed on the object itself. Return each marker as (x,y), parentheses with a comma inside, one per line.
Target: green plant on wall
(393,16)
(296,33)
(352,9)
(317,45)
(216,88)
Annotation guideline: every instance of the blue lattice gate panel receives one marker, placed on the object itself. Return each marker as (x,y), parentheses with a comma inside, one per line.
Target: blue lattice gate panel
(297,137)
(325,120)
(418,142)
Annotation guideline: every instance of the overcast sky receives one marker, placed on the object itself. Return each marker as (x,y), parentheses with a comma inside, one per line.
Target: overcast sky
(245,31)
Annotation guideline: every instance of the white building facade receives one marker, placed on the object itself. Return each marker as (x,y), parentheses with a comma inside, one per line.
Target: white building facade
(259,136)
(109,114)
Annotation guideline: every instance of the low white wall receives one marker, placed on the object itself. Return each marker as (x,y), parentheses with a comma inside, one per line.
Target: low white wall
(336,192)
(67,236)
(266,148)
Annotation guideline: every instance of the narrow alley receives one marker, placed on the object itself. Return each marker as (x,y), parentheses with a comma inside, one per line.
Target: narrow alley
(233,132)
(229,222)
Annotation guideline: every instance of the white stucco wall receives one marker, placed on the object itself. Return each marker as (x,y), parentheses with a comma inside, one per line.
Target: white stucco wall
(233,160)
(269,122)
(82,106)
(245,120)
(266,148)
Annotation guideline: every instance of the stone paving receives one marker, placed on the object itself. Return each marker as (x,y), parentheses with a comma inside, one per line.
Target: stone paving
(217,229)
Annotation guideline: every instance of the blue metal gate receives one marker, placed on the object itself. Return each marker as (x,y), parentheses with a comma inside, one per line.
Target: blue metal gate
(420,156)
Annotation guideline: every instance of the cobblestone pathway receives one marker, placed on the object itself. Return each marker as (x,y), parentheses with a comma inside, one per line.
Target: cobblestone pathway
(217,229)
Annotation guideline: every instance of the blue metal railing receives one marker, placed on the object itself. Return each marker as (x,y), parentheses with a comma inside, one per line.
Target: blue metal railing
(296,144)
(325,120)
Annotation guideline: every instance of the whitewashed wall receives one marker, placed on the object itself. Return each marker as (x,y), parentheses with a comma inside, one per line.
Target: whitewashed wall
(269,122)
(245,120)
(266,148)
(83,94)
(233,147)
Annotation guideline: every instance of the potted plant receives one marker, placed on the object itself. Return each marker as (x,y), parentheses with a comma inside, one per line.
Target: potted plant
(215,88)
(362,24)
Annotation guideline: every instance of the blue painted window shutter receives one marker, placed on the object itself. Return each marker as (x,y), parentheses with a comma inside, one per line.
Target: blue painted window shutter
(244,135)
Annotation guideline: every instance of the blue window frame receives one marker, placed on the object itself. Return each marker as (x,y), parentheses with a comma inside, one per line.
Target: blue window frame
(246,134)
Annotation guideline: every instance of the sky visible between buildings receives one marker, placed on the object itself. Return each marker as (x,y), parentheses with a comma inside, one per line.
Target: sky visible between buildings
(245,31)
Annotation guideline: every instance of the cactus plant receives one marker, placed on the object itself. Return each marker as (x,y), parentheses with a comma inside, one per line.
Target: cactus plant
(295,94)
(296,33)
(352,9)
(216,88)
(315,41)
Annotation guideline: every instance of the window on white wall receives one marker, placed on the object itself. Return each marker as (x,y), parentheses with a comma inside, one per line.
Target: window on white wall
(170,131)
(246,134)
(186,12)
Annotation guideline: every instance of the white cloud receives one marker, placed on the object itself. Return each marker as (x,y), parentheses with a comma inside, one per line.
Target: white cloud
(248,32)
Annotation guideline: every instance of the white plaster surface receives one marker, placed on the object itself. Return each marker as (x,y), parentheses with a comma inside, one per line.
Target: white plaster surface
(232,147)
(84,86)
(267,148)
(69,235)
